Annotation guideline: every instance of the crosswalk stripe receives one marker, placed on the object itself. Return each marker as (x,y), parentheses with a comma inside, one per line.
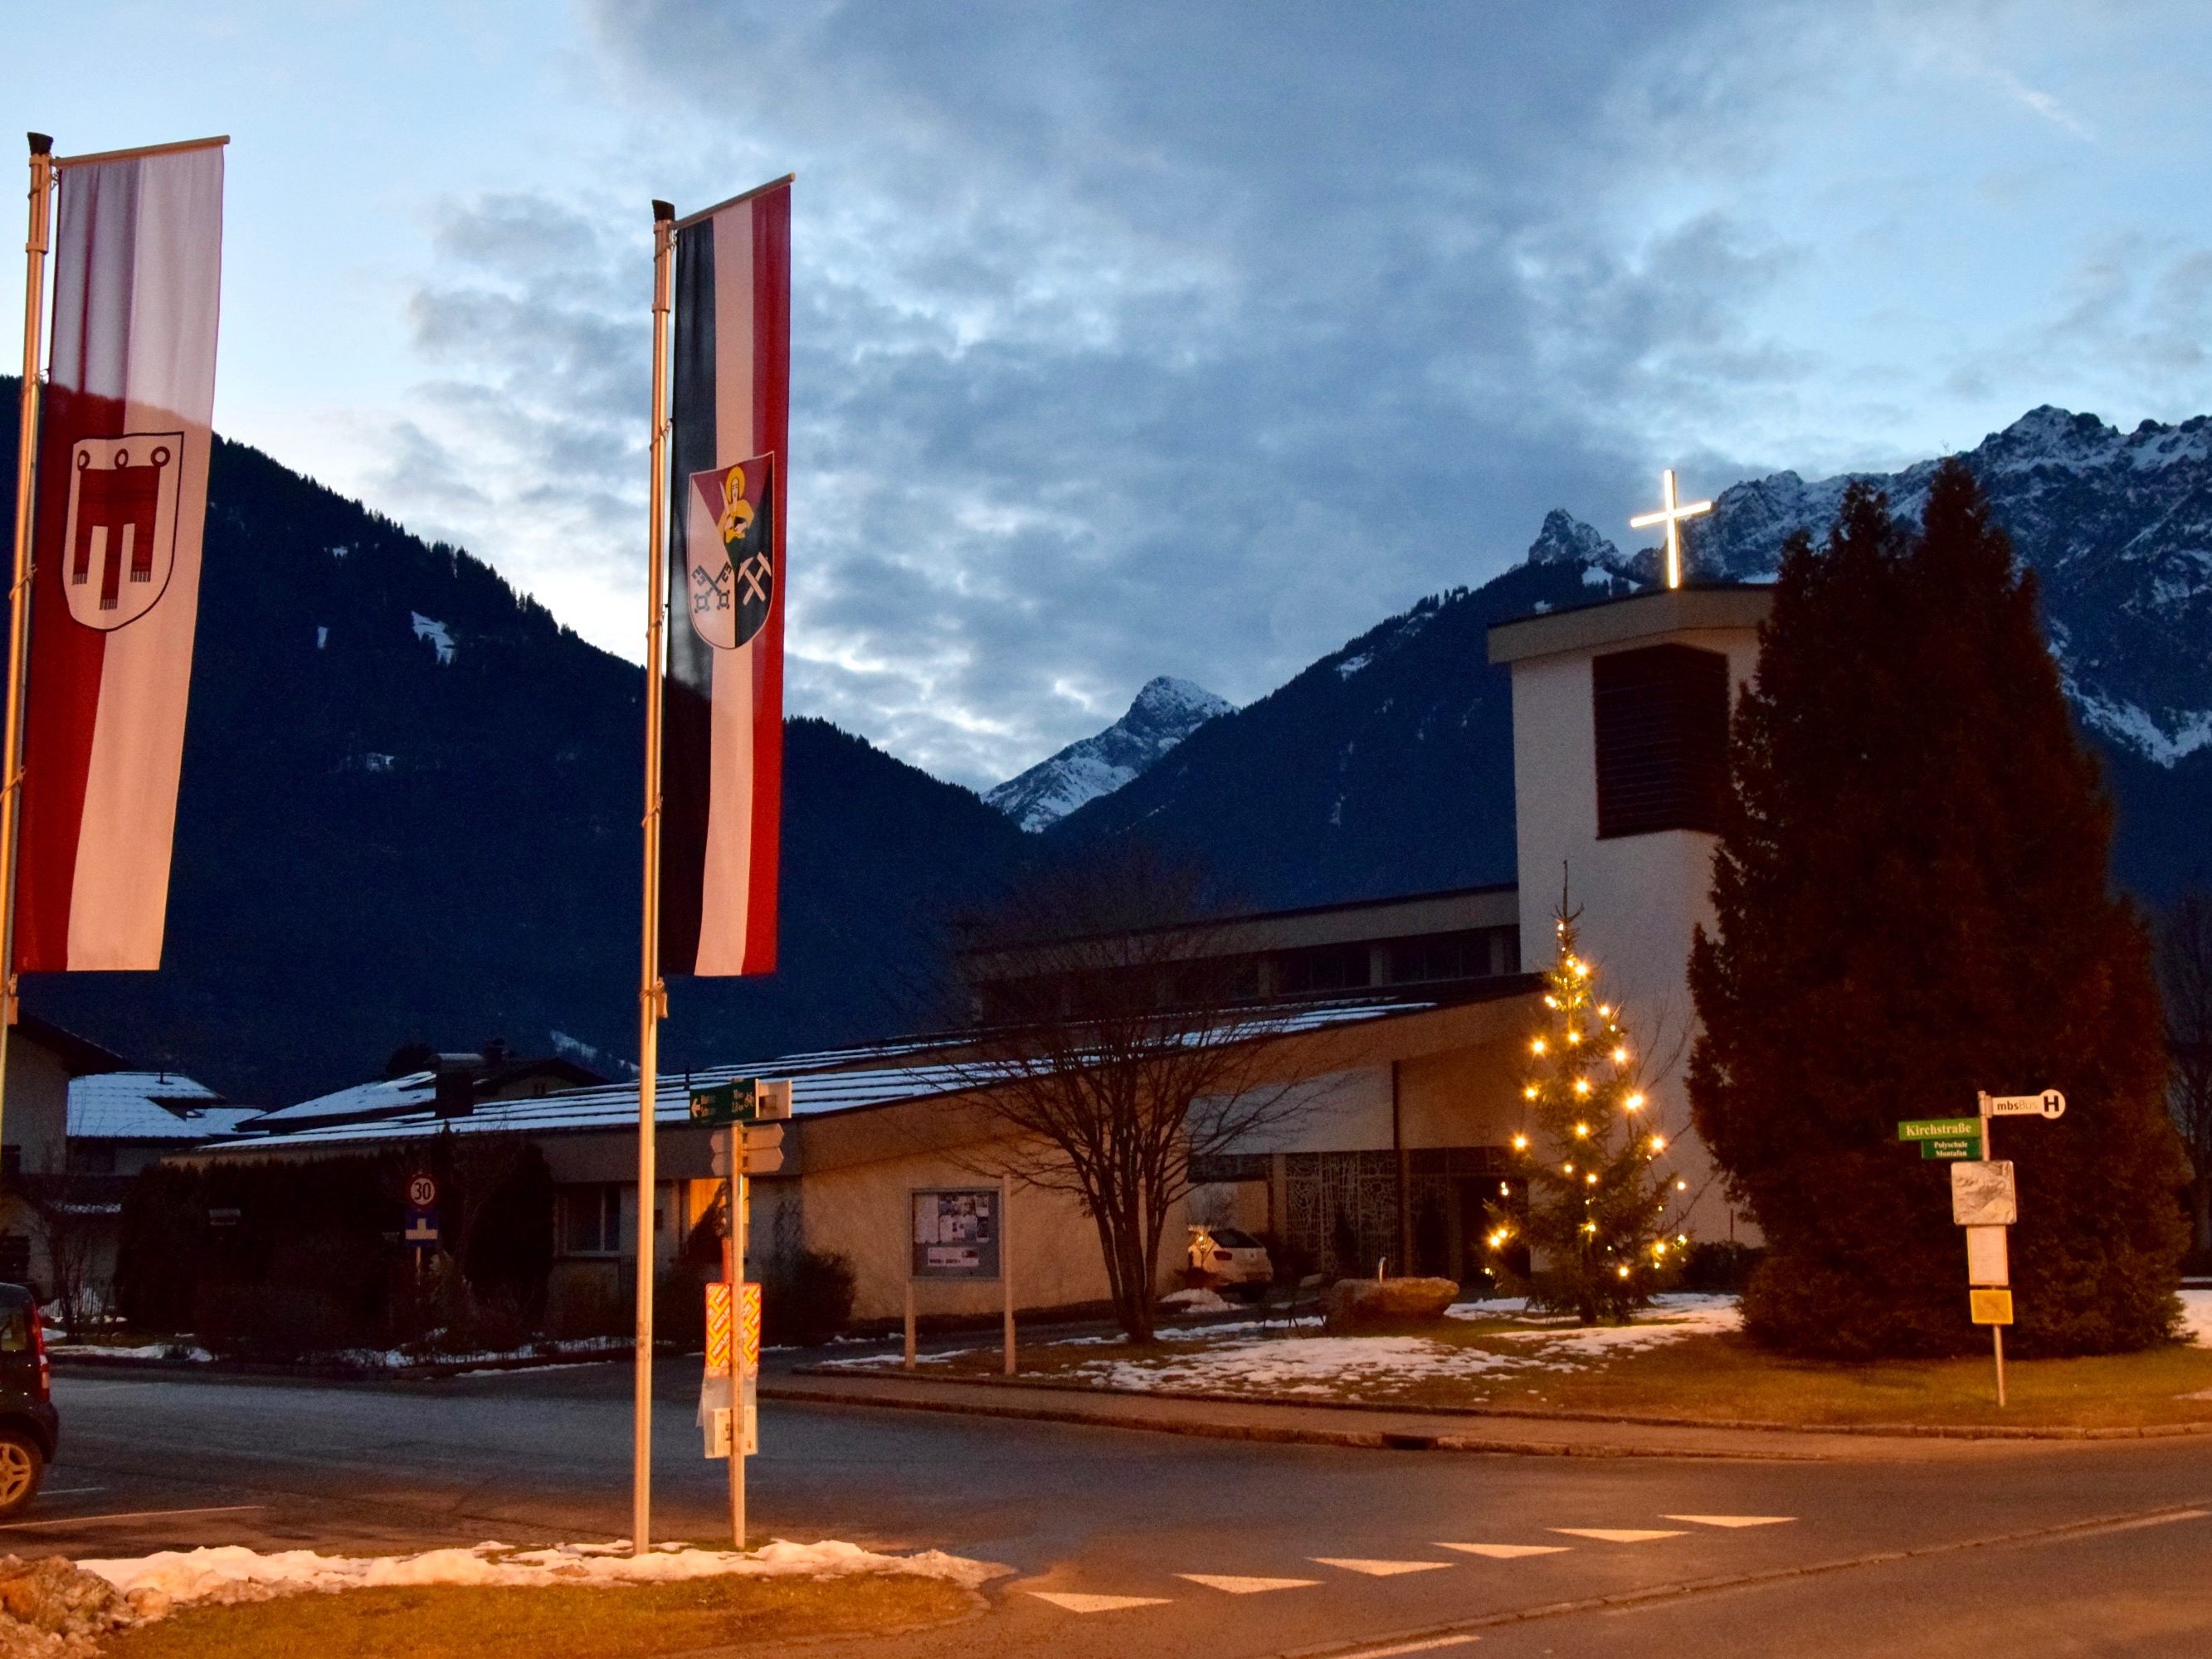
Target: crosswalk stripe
(1073,1603)
(1237,1586)
(1616,1534)
(1734,1520)
(1508,1552)
(1378,1569)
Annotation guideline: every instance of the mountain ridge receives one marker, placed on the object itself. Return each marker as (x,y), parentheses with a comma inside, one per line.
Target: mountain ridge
(2118,527)
(1163,713)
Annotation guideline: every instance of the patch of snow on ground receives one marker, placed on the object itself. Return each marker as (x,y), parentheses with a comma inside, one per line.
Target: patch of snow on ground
(1668,1319)
(1199,1300)
(1317,1365)
(233,1573)
(938,1358)
(1195,1332)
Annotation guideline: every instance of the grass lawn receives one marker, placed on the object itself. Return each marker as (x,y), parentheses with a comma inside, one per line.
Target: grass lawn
(1684,1361)
(564,1622)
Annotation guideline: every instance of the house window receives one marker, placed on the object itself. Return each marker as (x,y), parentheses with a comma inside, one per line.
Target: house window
(1323,968)
(1661,716)
(591,1219)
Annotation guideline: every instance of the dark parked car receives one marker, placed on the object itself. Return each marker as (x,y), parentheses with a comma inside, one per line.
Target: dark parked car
(29,1424)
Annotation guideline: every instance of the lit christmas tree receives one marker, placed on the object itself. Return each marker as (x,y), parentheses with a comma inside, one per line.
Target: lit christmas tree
(1593,1224)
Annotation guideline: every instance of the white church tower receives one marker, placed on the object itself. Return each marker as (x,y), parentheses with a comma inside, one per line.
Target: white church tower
(1620,713)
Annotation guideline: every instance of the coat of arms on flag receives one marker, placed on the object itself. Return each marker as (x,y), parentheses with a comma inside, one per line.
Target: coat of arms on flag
(119,543)
(730,545)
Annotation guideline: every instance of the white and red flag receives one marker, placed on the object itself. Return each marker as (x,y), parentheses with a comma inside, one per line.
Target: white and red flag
(722,722)
(122,482)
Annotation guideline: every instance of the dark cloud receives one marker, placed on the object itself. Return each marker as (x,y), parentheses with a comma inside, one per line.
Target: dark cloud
(1132,339)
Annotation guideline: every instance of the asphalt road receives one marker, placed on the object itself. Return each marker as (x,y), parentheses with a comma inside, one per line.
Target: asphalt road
(2052,1550)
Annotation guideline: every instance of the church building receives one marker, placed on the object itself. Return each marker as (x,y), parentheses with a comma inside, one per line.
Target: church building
(1404,1021)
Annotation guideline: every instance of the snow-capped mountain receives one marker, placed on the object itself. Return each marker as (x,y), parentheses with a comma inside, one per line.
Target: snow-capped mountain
(1165,713)
(1386,766)
(2117,525)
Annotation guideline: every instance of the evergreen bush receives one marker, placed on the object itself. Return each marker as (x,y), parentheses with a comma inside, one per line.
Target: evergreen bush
(1912,904)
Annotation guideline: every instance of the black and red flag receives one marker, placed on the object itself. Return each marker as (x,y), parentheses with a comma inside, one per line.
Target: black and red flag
(722,724)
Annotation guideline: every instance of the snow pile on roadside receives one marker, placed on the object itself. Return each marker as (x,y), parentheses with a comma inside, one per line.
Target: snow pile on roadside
(52,1610)
(180,1351)
(571,1347)
(1319,1366)
(938,1358)
(231,1573)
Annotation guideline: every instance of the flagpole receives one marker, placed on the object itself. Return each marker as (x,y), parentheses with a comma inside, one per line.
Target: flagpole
(19,591)
(652,995)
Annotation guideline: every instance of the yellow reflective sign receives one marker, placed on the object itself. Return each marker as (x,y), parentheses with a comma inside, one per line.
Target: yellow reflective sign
(1991,1307)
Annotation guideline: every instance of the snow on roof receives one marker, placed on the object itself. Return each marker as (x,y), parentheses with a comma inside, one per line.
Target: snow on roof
(385,1095)
(823,1081)
(149,1106)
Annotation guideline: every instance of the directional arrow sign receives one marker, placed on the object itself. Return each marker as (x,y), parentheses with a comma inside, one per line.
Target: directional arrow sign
(723,1104)
(2049,1104)
(767,1163)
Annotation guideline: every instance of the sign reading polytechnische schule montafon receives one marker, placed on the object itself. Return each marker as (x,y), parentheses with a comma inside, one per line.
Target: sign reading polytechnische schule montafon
(955,1233)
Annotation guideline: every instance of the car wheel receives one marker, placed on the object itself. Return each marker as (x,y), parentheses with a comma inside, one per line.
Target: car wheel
(22,1466)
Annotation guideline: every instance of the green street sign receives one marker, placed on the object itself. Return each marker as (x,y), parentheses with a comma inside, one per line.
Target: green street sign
(1943,1137)
(724,1103)
(1938,1128)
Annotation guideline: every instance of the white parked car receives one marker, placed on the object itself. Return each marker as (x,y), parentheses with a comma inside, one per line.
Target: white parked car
(1230,1257)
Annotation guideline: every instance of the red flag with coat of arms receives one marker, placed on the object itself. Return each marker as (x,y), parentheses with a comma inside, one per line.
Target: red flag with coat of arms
(122,502)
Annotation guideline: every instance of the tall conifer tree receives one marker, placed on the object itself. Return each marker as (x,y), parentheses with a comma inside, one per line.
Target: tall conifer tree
(1912,904)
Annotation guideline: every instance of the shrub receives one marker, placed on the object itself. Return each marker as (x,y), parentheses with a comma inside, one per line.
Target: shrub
(807,1298)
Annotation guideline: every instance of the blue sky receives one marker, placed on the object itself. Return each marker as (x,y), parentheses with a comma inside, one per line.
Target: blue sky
(1142,338)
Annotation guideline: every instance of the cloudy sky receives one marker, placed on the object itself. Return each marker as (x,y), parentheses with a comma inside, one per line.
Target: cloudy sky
(1136,338)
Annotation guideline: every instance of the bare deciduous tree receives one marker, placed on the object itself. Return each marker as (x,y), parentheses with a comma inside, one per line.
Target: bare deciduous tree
(2184,972)
(1119,1036)
(68,1232)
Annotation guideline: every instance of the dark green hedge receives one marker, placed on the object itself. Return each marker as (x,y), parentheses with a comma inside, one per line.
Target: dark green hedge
(314,1259)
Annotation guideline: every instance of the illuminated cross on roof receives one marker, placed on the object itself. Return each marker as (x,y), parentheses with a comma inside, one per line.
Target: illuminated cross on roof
(1671,515)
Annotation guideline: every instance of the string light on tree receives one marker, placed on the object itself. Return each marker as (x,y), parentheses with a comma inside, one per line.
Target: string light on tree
(1588,1234)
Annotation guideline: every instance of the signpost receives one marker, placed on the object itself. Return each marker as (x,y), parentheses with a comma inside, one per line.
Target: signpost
(746,1114)
(1984,1201)
(960,1233)
(1943,1137)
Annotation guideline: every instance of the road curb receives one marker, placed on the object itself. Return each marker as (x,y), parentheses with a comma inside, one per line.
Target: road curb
(430,1370)
(1624,1419)
(1270,1433)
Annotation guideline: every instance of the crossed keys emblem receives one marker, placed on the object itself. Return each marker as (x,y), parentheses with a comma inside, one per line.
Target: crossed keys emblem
(710,589)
